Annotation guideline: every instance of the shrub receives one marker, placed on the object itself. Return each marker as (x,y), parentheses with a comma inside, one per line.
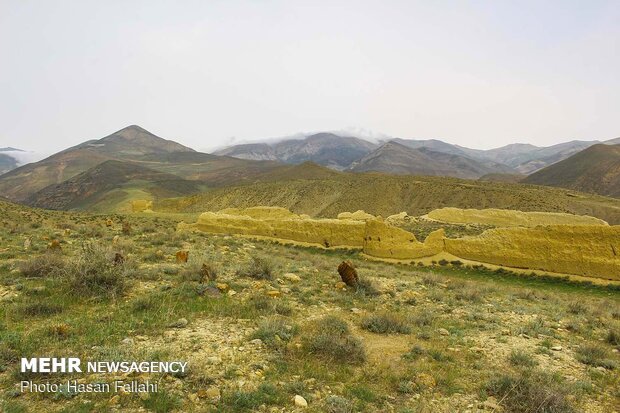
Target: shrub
(613,337)
(386,323)
(576,307)
(331,339)
(522,359)
(39,309)
(469,293)
(258,268)
(531,392)
(94,273)
(47,265)
(337,404)
(424,318)
(595,355)
(265,394)
(431,279)
(274,332)
(367,288)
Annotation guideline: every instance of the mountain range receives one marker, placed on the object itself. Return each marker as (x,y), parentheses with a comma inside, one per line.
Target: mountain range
(328,149)
(595,169)
(132,163)
(424,157)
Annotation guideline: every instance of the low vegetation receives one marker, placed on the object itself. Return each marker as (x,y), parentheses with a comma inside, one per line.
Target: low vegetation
(260,323)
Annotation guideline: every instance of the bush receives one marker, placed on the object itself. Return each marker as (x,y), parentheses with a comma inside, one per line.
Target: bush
(595,355)
(258,268)
(385,324)
(274,332)
(367,288)
(331,339)
(337,404)
(522,359)
(39,309)
(613,337)
(531,392)
(576,307)
(47,265)
(94,273)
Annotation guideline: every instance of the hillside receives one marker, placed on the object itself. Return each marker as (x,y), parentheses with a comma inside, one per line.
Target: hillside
(126,143)
(109,186)
(129,144)
(381,194)
(341,153)
(327,149)
(595,170)
(396,158)
(278,318)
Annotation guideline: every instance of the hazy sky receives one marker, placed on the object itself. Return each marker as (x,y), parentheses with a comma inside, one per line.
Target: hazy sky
(477,73)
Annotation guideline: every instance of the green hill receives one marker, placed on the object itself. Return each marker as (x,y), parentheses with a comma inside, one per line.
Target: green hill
(129,144)
(110,186)
(595,170)
(310,190)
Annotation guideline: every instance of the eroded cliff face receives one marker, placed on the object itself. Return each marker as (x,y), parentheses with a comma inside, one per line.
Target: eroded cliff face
(326,232)
(591,251)
(510,218)
(385,241)
(587,250)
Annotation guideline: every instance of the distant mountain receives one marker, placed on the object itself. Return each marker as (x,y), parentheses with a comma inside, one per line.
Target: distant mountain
(7,163)
(11,158)
(595,169)
(543,157)
(128,143)
(342,153)
(109,186)
(396,158)
(327,149)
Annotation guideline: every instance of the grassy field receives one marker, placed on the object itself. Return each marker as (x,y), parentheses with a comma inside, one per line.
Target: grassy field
(261,322)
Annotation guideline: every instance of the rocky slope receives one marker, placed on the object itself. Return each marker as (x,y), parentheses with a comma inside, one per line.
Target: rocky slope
(396,158)
(595,169)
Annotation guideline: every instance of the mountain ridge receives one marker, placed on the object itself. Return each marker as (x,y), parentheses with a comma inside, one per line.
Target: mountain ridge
(596,169)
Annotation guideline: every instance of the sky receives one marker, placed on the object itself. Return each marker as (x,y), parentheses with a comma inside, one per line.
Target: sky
(207,73)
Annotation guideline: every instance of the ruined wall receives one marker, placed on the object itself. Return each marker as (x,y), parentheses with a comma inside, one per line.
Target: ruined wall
(358,215)
(261,212)
(510,218)
(385,241)
(591,251)
(328,232)
(587,250)
(140,205)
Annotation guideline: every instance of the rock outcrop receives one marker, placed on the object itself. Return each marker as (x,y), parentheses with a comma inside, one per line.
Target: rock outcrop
(591,251)
(581,249)
(385,241)
(287,226)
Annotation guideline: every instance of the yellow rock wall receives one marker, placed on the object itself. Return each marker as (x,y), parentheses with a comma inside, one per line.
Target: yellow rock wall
(140,205)
(261,212)
(358,215)
(591,251)
(510,218)
(385,241)
(328,232)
